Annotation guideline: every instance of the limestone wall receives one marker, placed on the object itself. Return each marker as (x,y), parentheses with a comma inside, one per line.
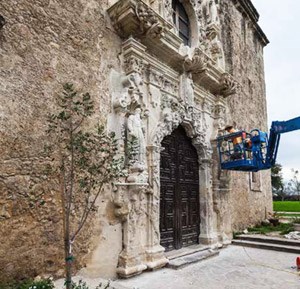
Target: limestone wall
(43,45)
(251,196)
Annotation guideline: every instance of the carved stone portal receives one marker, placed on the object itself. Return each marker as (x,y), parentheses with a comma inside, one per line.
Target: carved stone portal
(150,100)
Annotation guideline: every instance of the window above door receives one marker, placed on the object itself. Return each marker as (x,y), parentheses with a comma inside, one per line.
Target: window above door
(181,22)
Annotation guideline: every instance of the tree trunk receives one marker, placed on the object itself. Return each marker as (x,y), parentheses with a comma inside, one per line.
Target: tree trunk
(68,263)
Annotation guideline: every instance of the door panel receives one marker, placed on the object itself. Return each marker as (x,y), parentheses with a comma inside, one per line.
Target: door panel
(179,197)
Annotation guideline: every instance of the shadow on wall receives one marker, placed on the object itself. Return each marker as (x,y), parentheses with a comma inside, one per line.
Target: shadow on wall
(2,23)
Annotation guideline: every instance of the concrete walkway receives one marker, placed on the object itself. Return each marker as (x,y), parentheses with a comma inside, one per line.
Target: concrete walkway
(235,268)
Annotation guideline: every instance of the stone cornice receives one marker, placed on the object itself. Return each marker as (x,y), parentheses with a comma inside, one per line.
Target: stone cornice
(249,9)
(205,74)
(135,18)
(246,7)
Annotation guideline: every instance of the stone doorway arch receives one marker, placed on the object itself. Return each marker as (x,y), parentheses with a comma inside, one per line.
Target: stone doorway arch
(195,130)
(179,192)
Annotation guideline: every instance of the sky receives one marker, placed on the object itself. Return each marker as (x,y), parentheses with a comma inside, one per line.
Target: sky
(280,20)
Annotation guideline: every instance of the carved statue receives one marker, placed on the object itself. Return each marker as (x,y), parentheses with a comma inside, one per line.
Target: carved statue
(136,140)
(189,89)
(212,13)
(217,52)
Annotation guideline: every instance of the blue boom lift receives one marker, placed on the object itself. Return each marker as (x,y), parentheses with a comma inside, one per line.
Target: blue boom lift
(254,151)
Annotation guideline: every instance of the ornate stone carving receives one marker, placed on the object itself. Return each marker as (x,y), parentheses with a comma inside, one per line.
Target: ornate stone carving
(175,113)
(149,22)
(155,77)
(168,10)
(198,63)
(208,107)
(120,97)
(217,52)
(220,110)
(220,113)
(211,12)
(213,45)
(133,64)
(130,202)
(164,83)
(136,18)
(170,98)
(229,85)
(188,89)
(169,86)
(136,144)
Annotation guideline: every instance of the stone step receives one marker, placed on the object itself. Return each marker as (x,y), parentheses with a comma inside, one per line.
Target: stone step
(267,246)
(271,240)
(186,260)
(289,213)
(186,251)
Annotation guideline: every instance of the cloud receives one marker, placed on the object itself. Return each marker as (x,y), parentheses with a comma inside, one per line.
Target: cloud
(280,21)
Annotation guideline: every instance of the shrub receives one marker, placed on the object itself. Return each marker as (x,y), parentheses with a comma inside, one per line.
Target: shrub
(30,284)
(296,220)
(82,285)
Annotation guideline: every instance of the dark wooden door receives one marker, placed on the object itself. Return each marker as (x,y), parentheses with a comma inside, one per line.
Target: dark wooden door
(179,193)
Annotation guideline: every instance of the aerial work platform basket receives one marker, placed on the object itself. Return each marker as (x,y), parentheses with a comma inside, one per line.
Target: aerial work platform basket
(242,151)
(254,151)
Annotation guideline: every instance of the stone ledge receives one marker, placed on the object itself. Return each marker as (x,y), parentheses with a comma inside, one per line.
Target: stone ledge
(135,18)
(270,240)
(184,261)
(267,246)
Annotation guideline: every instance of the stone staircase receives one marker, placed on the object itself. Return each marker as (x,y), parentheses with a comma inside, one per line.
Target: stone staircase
(189,255)
(268,243)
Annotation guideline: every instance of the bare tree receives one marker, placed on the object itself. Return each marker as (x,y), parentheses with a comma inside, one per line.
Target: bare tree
(294,183)
(283,192)
(87,160)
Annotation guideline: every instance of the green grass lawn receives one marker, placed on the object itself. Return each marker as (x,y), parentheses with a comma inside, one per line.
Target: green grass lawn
(264,229)
(286,206)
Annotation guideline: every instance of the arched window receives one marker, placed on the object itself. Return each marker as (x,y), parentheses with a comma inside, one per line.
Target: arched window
(181,21)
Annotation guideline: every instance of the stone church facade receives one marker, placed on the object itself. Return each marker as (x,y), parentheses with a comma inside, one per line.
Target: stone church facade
(166,76)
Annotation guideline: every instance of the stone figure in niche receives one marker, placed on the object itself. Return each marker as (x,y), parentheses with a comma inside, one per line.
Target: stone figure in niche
(136,141)
(217,53)
(212,13)
(189,89)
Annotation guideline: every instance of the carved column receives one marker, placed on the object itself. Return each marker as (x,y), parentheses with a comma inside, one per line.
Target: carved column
(130,203)
(154,251)
(207,233)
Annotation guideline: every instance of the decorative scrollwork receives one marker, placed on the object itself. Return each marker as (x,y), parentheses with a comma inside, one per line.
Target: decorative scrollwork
(149,23)
(229,85)
(198,63)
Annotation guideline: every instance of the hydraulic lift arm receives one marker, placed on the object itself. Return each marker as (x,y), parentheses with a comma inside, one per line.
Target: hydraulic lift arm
(278,128)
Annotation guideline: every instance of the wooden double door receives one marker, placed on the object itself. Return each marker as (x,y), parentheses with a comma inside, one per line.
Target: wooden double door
(179,193)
